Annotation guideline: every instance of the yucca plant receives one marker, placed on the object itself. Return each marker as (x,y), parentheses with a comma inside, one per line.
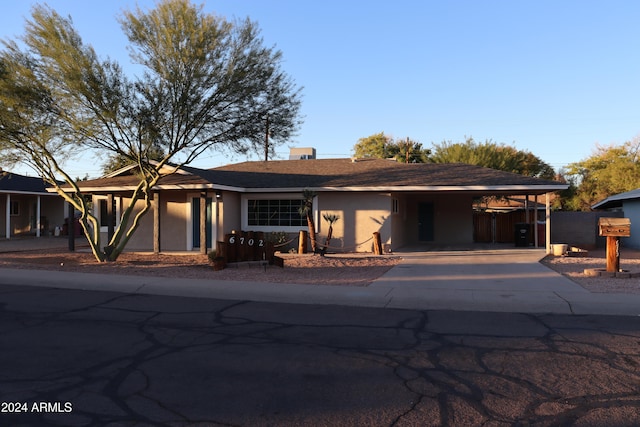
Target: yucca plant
(330,218)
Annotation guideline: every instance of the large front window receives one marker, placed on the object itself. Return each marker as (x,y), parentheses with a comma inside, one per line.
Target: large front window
(275,212)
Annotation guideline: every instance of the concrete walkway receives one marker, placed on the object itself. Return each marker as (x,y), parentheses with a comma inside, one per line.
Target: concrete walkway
(497,280)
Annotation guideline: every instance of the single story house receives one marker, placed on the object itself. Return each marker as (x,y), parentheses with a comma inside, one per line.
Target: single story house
(629,204)
(27,208)
(408,204)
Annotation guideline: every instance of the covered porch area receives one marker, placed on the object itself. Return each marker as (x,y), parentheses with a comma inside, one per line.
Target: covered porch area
(450,219)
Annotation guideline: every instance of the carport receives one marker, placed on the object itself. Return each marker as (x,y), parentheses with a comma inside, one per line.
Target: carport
(445,217)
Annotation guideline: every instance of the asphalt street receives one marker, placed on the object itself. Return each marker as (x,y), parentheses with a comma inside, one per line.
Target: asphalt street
(93,358)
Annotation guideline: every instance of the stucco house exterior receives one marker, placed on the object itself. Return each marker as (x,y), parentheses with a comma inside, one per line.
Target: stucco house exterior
(408,204)
(629,204)
(27,208)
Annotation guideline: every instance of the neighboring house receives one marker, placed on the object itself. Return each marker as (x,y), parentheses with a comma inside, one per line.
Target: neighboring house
(629,204)
(26,208)
(408,204)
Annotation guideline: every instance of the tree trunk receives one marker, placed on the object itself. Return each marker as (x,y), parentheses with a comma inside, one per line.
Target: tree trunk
(312,231)
(329,235)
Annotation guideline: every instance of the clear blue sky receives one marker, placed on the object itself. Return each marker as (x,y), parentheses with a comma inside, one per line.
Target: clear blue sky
(552,77)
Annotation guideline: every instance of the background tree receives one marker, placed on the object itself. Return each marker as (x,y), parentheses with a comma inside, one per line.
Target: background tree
(491,155)
(382,146)
(207,83)
(116,162)
(609,170)
(376,146)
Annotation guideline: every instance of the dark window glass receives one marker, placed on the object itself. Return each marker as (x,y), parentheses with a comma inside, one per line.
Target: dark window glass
(275,213)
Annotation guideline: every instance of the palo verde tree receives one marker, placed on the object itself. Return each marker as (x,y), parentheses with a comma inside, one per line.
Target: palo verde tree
(609,170)
(206,83)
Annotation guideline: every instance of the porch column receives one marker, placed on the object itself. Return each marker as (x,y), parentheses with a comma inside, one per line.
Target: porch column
(38,217)
(203,222)
(536,240)
(7,226)
(71,228)
(156,222)
(215,220)
(111,215)
(547,220)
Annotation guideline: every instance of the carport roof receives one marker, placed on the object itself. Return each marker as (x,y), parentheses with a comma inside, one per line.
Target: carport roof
(342,175)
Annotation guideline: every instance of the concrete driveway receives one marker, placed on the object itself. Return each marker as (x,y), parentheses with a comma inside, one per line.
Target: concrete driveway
(505,279)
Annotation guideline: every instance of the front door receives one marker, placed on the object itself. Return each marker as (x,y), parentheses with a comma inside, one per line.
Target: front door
(195,215)
(425,222)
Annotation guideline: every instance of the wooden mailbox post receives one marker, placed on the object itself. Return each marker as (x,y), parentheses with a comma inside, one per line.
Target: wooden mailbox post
(613,229)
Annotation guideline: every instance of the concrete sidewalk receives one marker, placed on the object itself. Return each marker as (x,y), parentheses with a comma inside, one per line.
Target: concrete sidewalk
(479,280)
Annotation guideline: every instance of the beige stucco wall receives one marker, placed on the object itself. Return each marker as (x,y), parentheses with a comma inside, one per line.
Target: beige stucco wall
(363,213)
(229,213)
(55,210)
(173,214)
(453,218)
(176,222)
(174,211)
(360,216)
(142,240)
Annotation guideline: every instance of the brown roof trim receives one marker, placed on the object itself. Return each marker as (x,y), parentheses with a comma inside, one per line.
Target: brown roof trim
(339,175)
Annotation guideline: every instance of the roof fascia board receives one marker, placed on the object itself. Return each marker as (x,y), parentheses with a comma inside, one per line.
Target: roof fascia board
(31,193)
(176,169)
(461,188)
(158,187)
(444,188)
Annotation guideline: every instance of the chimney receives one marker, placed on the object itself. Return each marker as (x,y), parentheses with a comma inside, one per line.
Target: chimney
(303,153)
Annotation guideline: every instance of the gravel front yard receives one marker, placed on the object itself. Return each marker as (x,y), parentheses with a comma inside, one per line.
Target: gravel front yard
(574,267)
(342,270)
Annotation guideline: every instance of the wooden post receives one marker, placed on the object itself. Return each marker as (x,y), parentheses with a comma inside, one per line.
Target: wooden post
(302,242)
(231,246)
(72,228)
(614,228)
(377,244)
(221,251)
(243,246)
(613,254)
(7,223)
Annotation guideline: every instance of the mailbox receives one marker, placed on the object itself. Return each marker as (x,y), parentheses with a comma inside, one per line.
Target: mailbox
(617,227)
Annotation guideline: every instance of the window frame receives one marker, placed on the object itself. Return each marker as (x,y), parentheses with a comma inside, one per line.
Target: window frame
(246,198)
(14,208)
(97,210)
